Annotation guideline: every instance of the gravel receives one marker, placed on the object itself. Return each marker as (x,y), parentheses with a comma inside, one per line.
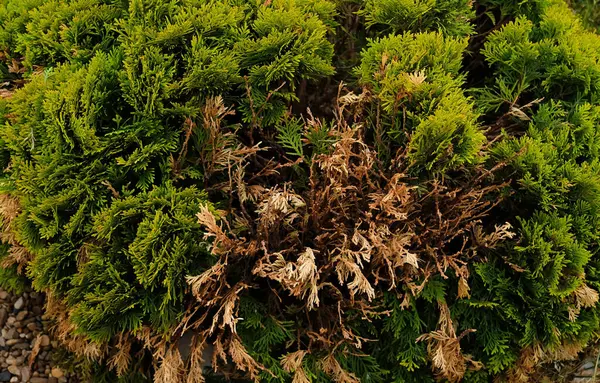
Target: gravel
(21,326)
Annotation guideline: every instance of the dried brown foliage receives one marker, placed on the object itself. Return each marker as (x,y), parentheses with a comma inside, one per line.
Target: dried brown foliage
(533,358)
(121,359)
(360,228)
(17,254)
(444,348)
(64,330)
(35,350)
(171,367)
(292,363)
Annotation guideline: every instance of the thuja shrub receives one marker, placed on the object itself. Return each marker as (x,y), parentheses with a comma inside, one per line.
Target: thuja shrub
(588,11)
(303,190)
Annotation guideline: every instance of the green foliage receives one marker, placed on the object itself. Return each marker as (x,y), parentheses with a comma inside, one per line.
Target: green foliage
(418,85)
(10,278)
(589,11)
(57,31)
(450,17)
(544,82)
(555,58)
(137,274)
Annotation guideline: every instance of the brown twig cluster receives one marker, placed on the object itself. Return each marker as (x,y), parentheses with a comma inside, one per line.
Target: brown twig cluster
(358,229)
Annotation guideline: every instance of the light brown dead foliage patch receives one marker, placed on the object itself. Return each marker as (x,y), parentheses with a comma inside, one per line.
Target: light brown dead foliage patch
(292,363)
(358,229)
(332,367)
(196,366)
(171,368)
(17,254)
(118,354)
(218,148)
(444,348)
(64,331)
(533,358)
(121,359)
(35,350)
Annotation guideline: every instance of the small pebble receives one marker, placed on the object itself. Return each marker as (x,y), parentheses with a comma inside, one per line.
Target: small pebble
(11,333)
(57,373)
(12,342)
(14,370)
(19,303)
(22,346)
(22,315)
(45,341)
(25,374)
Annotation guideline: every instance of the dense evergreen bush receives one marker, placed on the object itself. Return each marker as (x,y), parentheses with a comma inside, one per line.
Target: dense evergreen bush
(589,11)
(304,190)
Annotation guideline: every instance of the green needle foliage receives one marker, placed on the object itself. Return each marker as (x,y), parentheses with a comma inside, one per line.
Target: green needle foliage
(304,190)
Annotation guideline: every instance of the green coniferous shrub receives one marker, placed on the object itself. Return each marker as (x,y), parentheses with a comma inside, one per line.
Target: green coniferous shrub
(303,190)
(589,12)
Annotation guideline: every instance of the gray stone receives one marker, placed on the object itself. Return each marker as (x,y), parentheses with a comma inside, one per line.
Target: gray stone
(587,366)
(25,374)
(586,370)
(14,370)
(19,303)
(5,376)
(12,334)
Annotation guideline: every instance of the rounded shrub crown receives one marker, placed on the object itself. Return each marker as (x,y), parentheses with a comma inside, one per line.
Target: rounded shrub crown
(303,190)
